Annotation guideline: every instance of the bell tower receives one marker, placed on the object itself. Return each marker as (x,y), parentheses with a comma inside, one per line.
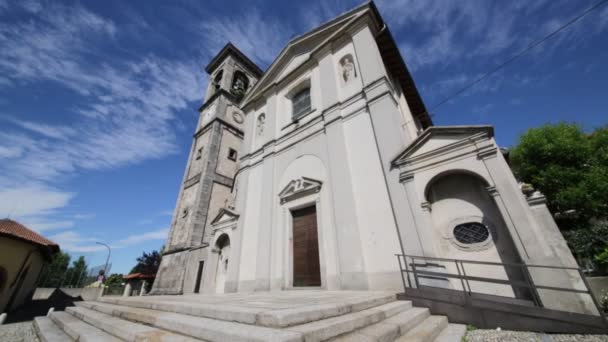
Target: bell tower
(209,175)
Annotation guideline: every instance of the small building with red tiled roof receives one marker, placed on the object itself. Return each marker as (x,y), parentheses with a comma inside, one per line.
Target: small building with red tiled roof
(23,254)
(138,283)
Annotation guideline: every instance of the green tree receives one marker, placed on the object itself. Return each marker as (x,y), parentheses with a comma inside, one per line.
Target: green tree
(147,263)
(55,270)
(115,279)
(570,167)
(76,274)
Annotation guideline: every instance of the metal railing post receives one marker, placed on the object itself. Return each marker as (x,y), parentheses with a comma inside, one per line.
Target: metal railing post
(530,282)
(407,271)
(597,304)
(415,274)
(464,273)
(401,271)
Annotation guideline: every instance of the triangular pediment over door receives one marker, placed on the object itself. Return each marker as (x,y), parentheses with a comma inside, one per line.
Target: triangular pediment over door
(298,188)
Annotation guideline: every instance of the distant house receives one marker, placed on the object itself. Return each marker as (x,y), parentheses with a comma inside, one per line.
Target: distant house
(23,254)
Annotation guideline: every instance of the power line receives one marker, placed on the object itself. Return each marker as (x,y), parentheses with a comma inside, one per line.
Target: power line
(516,56)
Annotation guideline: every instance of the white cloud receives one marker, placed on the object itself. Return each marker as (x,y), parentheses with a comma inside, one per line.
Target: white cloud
(43,226)
(127,114)
(31,200)
(139,238)
(257,36)
(479,33)
(49,131)
(72,241)
(131,107)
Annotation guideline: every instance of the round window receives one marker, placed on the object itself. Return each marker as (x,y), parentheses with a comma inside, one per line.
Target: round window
(471,232)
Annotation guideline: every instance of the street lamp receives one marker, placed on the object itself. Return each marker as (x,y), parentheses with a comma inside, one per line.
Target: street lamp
(105,269)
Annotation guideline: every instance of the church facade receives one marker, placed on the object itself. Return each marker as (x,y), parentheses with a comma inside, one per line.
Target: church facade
(319,170)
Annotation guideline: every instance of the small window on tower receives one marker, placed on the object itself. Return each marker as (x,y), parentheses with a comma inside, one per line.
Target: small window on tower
(232,154)
(217,80)
(199,153)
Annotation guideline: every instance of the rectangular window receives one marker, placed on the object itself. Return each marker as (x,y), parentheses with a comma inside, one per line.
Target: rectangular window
(300,103)
(199,276)
(232,154)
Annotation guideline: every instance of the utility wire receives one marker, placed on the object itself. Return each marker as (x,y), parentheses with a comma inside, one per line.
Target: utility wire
(521,53)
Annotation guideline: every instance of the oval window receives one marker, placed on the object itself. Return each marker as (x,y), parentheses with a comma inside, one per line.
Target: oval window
(471,232)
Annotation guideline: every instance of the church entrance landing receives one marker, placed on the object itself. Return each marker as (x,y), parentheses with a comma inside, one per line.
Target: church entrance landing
(297,315)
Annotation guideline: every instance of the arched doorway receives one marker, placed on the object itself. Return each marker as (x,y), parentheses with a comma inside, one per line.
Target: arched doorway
(223,247)
(467,215)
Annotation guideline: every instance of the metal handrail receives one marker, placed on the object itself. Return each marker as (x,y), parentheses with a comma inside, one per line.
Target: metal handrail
(464,278)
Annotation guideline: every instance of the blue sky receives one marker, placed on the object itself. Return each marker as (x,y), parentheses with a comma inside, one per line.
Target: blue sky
(98,99)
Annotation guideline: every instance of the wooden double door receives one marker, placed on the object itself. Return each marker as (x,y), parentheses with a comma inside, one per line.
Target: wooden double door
(306,267)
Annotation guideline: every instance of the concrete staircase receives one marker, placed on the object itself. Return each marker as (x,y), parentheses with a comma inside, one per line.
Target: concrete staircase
(272,316)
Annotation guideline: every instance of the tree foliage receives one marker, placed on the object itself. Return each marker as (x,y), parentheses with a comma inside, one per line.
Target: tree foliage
(58,273)
(55,270)
(115,279)
(570,167)
(147,263)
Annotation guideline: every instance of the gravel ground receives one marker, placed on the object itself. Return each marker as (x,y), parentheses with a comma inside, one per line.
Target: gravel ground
(18,332)
(482,335)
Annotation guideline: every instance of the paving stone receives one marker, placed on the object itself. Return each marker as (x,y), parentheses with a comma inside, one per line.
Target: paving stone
(311,313)
(453,333)
(124,329)
(427,331)
(79,330)
(198,327)
(335,326)
(18,332)
(48,331)
(492,335)
(409,319)
(216,311)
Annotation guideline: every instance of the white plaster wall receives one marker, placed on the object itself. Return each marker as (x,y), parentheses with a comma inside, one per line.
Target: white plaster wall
(258,140)
(249,243)
(377,229)
(350,88)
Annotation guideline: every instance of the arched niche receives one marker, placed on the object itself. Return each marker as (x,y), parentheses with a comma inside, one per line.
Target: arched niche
(465,213)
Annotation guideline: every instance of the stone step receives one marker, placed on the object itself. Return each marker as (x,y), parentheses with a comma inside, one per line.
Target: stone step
(197,327)
(388,329)
(296,316)
(258,316)
(79,330)
(409,319)
(453,333)
(427,331)
(48,331)
(332,327)
(124,329)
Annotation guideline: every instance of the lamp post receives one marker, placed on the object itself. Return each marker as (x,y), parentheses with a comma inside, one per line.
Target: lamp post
(108,258)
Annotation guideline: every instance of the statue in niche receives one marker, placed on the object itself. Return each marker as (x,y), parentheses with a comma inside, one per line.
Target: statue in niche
(261,122)
(348,68)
